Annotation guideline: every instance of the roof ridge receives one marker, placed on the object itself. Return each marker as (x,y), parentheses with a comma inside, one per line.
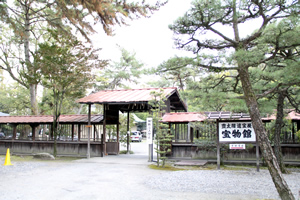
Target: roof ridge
(176,113)
(136,89)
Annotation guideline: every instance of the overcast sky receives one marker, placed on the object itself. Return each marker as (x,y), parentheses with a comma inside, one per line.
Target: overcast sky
(150,38)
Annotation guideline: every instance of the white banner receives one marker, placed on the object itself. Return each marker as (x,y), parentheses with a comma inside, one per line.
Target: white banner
(149,130)
(236,132)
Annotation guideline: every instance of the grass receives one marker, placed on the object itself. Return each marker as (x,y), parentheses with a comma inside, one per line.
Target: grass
(166,168)
(171,167)
(125,152)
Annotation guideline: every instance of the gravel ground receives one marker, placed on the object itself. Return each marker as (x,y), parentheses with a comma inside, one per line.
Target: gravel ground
(245,182)
(128,177)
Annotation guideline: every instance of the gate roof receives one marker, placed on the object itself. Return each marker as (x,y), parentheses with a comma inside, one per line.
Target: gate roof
(132,97)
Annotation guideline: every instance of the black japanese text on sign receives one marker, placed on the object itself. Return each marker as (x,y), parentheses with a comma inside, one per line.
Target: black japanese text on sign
(236,132)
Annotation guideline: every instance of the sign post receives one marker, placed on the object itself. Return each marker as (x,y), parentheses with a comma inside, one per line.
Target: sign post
(236,132)
(218,147)
(150,138)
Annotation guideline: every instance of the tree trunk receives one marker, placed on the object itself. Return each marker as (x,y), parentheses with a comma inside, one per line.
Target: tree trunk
(33,94)
(278,126)
(32,86)
(261,135)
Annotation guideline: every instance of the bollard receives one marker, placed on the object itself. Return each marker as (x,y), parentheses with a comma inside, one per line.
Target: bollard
(7,158)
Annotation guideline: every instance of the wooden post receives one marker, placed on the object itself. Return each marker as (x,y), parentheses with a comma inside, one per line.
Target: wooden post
(257,156)
(192,134)
(118,134)
(51,132)
(89,132)
(188,133)
(72,132)
(293,132)
(218,146)
(94,132)
(128,133)
(14,131)
(33,126)
(104,130)
(176,133)
(79,132)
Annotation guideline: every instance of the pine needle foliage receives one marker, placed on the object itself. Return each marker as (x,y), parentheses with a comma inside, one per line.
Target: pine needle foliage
(163,134)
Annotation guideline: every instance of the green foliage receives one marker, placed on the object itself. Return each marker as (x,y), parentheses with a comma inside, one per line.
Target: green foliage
(123,128)
(298,135)
(176,71)
(285,132)
(125,152)
(69,106)
(14,99)
(120,74)
(66,68)
(205,29)
(165,168)
(216,92)
(163,134)
(142,116)
(26,23)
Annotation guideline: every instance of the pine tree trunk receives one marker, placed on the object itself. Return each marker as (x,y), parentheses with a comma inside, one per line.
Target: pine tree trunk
(32,87)
(261,135)
(33,94)
(278,127)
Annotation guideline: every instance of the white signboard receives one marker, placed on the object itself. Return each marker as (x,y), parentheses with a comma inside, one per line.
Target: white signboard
(237,146)
(149,130)
(236,132)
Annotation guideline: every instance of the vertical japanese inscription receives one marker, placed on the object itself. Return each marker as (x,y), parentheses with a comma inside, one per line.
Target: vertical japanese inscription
(149,130)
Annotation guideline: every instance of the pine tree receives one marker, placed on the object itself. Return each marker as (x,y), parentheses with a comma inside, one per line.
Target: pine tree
(163,134)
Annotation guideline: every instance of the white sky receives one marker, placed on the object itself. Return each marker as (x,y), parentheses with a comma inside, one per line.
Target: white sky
(150,38)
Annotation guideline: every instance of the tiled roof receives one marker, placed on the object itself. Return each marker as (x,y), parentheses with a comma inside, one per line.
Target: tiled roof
(46,119)
(129,95)
(183,117)
(292,115)
(198,117)
(226,115)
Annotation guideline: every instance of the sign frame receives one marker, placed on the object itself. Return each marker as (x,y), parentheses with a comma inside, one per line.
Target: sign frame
(253,141)
(242,131)
(149,133)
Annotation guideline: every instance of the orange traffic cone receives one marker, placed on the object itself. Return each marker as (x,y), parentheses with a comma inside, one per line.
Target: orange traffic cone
(7,158)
